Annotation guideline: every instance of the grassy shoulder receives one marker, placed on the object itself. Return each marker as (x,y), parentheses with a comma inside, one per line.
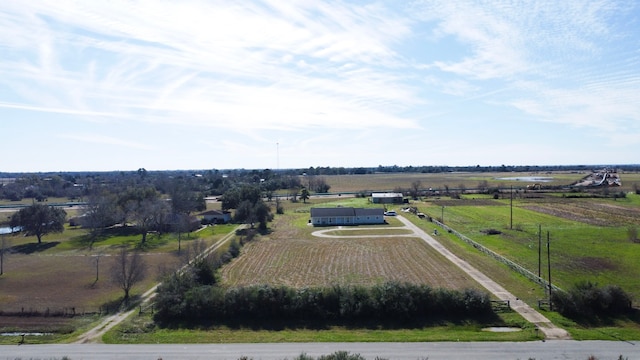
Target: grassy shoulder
(142,330)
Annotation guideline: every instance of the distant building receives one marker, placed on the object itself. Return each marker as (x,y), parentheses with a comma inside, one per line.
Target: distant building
(346,216)
(216,217)
(387,198)
(81,220)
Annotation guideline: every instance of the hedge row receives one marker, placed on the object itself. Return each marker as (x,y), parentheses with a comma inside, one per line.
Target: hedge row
(178,300)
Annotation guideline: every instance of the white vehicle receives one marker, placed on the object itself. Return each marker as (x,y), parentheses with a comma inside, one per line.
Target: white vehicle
(390,213)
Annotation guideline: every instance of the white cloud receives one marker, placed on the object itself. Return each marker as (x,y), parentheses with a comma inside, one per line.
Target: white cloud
(318,69)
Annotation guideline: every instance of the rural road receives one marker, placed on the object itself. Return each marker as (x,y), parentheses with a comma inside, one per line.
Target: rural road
(569,349)
(550,331)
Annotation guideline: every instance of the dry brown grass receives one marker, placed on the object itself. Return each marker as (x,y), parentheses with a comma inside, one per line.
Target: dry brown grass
(593,212)
(58,282)
(391,181)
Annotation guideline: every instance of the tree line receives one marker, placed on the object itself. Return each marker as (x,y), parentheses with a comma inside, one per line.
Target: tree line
(163,205)
(183,300)
(80,185)
(212,182)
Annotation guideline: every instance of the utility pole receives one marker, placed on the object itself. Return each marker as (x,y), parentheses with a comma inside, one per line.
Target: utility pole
(549,266)
(511,208)
(442,216)
(539,250)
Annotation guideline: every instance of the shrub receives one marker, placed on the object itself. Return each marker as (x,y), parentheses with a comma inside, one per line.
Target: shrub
(587,301)
(341,355)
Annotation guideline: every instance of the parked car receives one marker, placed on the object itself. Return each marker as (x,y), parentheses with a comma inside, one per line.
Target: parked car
(390,213)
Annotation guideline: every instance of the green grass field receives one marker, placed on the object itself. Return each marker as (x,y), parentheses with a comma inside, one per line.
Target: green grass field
(580,250)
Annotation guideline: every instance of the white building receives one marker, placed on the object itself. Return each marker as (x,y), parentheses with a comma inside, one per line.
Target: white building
(346,216)
(387,198)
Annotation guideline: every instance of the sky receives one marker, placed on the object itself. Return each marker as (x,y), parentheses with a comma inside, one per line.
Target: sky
(182,85)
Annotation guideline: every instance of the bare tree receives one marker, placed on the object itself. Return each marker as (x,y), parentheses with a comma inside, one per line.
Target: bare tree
(415,189)
(148,214)
(127,270)
(100,212)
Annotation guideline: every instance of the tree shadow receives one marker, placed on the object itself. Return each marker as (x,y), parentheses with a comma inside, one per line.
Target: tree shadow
(280,324)
(33,247)
(633,315)
(120,304)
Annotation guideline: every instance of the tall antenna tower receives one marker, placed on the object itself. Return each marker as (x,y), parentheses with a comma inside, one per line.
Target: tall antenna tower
(278,156)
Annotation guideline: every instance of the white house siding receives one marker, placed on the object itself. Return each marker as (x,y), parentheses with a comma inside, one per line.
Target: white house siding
(346,216)
(387,198)
(369,219)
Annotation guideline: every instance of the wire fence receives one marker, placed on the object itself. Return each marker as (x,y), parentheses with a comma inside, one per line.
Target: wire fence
(46,311)
(512,265)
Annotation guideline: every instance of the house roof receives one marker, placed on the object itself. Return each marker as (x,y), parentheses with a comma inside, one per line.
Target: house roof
(345,211)
(386,195)
(369,212)
(215,213)
(338,211)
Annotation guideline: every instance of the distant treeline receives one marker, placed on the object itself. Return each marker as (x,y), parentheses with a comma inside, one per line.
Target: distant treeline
(471,168)
(77,185)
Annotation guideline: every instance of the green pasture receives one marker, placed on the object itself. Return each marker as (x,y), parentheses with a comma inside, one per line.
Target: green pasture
(579,251)
(523,288)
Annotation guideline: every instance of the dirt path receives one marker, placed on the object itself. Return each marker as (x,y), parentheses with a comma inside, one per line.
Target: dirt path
(95,334)
(550,331)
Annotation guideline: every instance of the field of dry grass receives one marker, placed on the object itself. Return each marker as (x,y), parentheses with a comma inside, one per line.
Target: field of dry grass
(58,277)
(391,181)
(293,257)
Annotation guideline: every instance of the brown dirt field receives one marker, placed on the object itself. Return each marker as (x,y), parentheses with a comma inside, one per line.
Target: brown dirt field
(468,202)
(592,213)
(324,262)
(293,257)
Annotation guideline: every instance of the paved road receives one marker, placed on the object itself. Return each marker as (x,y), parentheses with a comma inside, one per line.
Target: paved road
(566,349)
(549,329)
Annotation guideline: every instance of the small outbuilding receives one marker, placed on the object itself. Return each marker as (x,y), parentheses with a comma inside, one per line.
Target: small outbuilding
(346,216)
(387,198)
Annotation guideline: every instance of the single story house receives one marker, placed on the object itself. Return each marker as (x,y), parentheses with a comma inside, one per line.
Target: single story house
(387,198)
(216,217)
(346,216)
